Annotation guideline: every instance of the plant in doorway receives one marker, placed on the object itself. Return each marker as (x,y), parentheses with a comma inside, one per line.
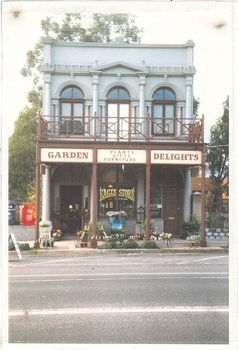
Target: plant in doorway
(56,234)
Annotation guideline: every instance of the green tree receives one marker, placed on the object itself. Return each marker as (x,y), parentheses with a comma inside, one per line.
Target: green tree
(101,28)
(217,156)
(22,155)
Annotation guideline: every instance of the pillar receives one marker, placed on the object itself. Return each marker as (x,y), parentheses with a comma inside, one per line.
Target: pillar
(187,195)
(95,93)
(47,95)
(147,204)
(189,98)
(142,96)
(94,201)
(46,193)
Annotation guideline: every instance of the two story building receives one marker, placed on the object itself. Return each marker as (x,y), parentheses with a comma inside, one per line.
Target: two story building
(117,133)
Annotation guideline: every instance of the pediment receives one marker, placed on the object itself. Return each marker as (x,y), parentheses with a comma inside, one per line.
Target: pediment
(120,67)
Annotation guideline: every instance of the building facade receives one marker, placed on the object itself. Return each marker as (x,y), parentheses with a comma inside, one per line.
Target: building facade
(117,133)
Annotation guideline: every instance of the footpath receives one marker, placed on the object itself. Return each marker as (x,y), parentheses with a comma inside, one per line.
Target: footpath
(68,245)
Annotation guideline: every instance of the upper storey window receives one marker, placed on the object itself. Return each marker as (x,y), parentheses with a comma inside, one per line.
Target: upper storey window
(163,111)
(72,110)
(118,114)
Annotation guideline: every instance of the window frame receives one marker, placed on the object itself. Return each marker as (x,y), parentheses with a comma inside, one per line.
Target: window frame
(72,123)
(165,128)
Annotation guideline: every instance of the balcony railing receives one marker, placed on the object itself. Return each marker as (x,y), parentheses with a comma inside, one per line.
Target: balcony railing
(123,129)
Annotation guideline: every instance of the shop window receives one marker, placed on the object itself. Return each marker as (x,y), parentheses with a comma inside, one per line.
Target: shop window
(155,201)
(72,110)
(163,112)
(117,197)
(117,191)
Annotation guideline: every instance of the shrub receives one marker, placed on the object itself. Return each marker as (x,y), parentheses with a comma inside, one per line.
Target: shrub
(106,245)
(24,246)
(129,245)
(11,246)
(149,245)
(190,227)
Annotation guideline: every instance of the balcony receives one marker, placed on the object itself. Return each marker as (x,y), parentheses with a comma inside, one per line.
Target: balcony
(123,129)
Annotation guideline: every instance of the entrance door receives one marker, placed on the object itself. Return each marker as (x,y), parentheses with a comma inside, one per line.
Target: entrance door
(172,211)
(70,205)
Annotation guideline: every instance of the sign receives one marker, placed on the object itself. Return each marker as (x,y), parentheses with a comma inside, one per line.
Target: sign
(176,157)
(12,237)
(125,193)
(122,156)
(66,155)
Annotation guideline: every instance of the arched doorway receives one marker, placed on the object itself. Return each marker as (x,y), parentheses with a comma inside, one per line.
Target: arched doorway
(70,197)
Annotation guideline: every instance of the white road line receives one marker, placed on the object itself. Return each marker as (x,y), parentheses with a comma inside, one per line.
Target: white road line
(212,258)
(202,259)
(46,312)
(100,279)
(123,274)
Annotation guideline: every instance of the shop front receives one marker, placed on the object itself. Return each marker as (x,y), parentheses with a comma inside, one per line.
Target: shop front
(154,180)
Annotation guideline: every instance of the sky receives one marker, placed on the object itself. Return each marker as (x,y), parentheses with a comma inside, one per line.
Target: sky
(207,23)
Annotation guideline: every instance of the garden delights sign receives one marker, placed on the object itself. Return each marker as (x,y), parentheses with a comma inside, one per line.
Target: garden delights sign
(66,155)
(176,157)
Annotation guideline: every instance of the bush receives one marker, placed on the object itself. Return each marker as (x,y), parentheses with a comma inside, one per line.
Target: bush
(118,245)
(129,245)
(190,227)
(149,245)
(11,246)
(106,245)
(24,246)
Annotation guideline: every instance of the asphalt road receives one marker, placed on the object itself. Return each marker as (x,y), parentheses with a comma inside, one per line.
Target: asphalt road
(120,299)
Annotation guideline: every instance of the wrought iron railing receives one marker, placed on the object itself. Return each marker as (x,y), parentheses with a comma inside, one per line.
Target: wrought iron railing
(123,129)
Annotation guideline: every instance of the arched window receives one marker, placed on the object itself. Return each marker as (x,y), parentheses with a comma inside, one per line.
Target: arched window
(118,111)
(163,111)
(72,110)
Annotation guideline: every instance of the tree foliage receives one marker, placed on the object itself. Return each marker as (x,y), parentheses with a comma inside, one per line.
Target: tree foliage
(22,154)
(217,156)
(101,28)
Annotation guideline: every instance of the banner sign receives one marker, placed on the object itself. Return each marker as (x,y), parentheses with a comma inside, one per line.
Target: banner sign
(66,155)
(122,156)
(176,157)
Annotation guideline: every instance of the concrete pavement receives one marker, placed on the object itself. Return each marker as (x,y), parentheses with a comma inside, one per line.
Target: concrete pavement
(68,244)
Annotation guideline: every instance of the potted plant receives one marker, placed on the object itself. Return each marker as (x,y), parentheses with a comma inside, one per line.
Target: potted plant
(190,227)
(193,239)
(57,234)
(143,227)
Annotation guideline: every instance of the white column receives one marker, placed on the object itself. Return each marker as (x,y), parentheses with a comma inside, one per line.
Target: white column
(95,93)
(46,188)
(189,98)
(142,95)
(187,195)
(179,127)
(47,95)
